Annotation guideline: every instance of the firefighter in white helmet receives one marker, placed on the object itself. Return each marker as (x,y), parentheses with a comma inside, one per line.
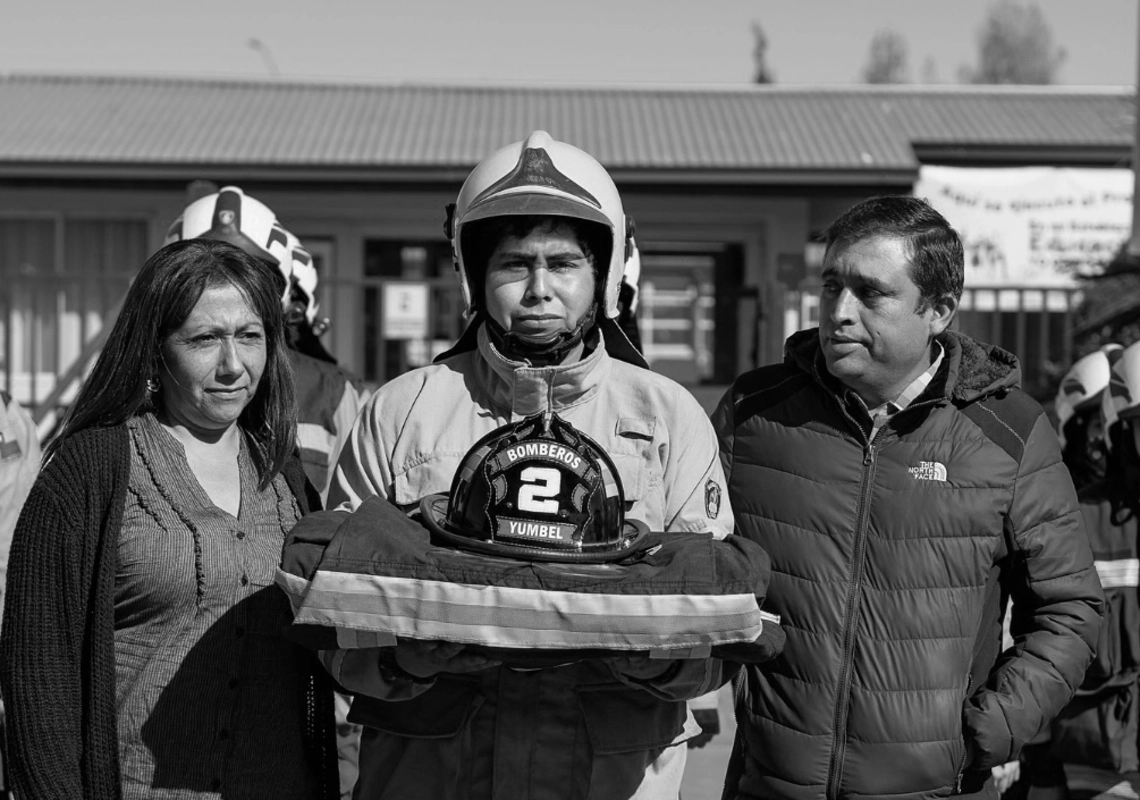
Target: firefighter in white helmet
(540,240)
(1097,408)
(1080,417)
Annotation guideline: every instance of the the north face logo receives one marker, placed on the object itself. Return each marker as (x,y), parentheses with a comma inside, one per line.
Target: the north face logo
(928,471)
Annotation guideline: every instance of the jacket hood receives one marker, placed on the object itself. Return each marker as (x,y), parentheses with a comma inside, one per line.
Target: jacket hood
(974,369)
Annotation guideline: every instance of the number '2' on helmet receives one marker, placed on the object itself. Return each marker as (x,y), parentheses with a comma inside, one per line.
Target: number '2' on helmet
(537,490)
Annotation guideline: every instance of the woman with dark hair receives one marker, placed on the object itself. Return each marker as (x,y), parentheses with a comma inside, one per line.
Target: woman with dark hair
(141,654)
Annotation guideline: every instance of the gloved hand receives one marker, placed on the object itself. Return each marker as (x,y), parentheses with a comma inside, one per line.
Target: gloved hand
(422,659)
(640,667)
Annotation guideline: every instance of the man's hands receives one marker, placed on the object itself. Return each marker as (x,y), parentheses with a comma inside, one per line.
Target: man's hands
(1006,775)
(427,659)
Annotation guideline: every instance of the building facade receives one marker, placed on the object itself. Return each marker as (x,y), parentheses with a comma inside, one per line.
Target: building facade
(727,188)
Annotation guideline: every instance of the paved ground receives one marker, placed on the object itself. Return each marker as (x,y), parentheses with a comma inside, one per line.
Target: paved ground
(704,771)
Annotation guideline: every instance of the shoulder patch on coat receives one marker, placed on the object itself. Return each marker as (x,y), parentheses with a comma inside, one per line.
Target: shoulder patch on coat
(712,498)
(1006,420)
(765,387)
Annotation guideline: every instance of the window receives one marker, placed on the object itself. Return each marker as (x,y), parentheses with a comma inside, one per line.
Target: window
(404,266)
(64,277)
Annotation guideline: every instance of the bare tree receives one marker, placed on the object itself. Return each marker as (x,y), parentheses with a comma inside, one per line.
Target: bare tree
(887,60)
(1015,45)
(760,72)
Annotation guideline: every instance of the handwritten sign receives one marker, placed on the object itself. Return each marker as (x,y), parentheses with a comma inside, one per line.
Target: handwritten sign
(1033,226)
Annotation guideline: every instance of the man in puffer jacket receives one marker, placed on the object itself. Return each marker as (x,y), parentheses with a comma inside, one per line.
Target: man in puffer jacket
(904,487)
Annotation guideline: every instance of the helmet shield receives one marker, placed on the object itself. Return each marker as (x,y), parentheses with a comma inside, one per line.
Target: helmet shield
(538,490)
(519,204)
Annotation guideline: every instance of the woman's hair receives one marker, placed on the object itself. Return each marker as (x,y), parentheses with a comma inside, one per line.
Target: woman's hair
(159,301)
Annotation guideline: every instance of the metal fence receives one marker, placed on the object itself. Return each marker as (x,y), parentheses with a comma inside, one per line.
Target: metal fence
(1034,324)
(52,328)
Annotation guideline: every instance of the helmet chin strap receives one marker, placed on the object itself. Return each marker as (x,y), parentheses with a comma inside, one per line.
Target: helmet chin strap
(540,351)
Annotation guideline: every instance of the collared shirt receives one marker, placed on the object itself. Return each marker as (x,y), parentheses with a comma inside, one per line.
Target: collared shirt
(880,414)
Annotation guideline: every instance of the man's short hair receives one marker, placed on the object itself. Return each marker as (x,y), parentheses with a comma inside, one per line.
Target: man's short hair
(938,264)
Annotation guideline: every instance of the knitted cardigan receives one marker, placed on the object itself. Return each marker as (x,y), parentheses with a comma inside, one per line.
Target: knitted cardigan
(57,660)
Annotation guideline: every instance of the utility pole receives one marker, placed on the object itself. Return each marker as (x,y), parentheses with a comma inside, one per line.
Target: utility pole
(1134,239)
(266,56)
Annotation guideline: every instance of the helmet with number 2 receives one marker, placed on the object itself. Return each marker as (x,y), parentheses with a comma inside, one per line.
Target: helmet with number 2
(542,176)
(230,215)
(536,490)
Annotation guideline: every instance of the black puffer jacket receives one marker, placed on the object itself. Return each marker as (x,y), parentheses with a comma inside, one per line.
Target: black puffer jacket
(891,561)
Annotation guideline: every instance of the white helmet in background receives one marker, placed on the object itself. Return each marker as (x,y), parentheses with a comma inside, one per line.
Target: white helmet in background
(230,215)
(304,284)
(1082,386)
(542,176)
(1122,397)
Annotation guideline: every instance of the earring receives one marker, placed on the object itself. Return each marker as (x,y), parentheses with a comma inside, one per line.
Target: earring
(152,385)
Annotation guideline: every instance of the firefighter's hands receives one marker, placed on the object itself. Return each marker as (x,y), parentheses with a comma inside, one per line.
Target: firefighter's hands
(427,659)
(641,667)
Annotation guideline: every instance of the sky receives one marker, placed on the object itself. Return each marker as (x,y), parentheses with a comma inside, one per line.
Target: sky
(588,42)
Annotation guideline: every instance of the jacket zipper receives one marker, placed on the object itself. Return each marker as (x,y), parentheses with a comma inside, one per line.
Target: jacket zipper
(965,750)
(839,730)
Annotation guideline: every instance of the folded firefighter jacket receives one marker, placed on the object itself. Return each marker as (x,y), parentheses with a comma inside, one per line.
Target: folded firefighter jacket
(363,579)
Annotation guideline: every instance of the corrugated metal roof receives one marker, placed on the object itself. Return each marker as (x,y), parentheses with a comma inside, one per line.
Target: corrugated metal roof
(56,120)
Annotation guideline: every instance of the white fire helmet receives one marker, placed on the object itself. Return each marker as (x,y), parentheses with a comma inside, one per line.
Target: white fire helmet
(1082,386)
(230,215)
(304,276)
(542,176)
(1122,397)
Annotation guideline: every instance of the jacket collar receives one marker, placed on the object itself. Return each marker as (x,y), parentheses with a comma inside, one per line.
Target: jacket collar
(529,390)
(617,344)
(970,369)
